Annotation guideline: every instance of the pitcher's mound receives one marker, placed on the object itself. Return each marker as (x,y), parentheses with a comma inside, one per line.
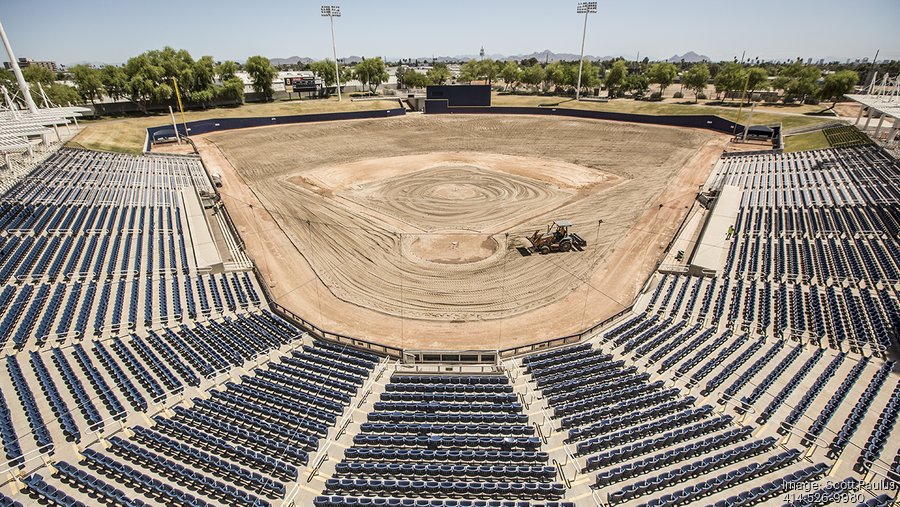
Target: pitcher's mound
(453,247)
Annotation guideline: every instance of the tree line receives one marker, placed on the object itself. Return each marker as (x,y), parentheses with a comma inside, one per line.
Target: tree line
(147,78)
(794,82)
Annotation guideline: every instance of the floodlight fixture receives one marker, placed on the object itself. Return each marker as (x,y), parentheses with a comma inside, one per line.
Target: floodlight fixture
(583,8)
(331,12)
(587,7)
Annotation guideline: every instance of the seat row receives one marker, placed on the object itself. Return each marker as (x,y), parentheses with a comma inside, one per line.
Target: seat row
(691,470)
(446,489)
(342,501)
(519,473)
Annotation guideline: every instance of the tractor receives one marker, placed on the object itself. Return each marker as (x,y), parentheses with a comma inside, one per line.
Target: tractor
(558,237)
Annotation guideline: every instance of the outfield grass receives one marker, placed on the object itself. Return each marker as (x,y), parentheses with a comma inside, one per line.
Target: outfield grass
(127,134)
(787,119)
(808,141)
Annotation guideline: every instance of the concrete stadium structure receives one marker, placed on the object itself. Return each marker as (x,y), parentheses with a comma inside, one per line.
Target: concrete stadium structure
(146,364)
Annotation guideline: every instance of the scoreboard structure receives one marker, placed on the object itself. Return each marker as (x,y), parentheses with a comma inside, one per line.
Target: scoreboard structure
(302,84)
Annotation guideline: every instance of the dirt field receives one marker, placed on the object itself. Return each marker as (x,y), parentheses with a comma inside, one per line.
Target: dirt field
(407,231)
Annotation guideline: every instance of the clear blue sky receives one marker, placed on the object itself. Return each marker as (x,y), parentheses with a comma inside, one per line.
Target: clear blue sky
(69,31)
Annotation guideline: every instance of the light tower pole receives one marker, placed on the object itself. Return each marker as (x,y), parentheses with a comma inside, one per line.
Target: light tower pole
(23,85)
(334,11)
(583,8)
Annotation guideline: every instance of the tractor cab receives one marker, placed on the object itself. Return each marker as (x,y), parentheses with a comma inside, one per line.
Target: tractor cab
(562,228)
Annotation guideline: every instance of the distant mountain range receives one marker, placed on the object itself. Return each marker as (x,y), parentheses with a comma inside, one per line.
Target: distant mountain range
(291,60)
(689,57)
(541,56)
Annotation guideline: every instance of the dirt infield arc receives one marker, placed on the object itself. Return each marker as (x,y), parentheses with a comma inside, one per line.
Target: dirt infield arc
(406,230)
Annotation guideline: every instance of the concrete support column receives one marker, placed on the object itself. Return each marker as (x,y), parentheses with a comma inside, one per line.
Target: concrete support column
(869,118)
(894,131)
(859,115)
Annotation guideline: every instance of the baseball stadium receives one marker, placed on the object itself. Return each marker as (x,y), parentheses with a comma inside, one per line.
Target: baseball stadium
(451,298)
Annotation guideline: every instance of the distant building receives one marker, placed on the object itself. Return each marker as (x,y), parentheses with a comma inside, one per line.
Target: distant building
(28,62)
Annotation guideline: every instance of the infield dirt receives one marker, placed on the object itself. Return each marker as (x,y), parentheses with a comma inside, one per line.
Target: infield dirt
(409,231)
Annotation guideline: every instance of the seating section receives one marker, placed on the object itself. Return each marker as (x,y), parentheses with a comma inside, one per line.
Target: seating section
(434,437)
(242,445)
(843,136)
(98,243)
(135,377)
(641,437)
(811,266)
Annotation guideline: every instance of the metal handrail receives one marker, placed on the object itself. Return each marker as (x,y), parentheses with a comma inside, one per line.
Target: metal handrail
(562,473)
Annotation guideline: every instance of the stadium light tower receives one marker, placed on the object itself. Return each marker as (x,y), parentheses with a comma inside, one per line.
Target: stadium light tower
(334,11)
(583,8)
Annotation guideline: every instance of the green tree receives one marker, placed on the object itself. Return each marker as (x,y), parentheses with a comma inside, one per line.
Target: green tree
(88,82)
(590,76)
(615,78)
(696,78)
(62,95)
(146,81)
(838,84)
(562,75)
(227,70)
(371,72)
(479,70)
(730,78)
(555,74)
(34,74)
(261,73)
(8,79)
(489,70)
(798,81)
(511,74)
(203,72)
(325,70)
(757,79)
(232,89)
(201,87)
(637,84)
(413,79)
(532,75)
(439,73)
(663,74)
(468,72)
(115,81)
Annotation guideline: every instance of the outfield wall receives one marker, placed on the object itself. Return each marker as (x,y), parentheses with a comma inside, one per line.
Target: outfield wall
(704,121)
(217,124)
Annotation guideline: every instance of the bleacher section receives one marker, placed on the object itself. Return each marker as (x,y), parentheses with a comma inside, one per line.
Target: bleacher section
(844,136)
(431,438)
(128,371)
(818,233)
(132,377)
(786,360)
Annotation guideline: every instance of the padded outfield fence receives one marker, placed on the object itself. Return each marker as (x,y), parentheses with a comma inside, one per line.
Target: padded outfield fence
(704,121)
(216,124)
